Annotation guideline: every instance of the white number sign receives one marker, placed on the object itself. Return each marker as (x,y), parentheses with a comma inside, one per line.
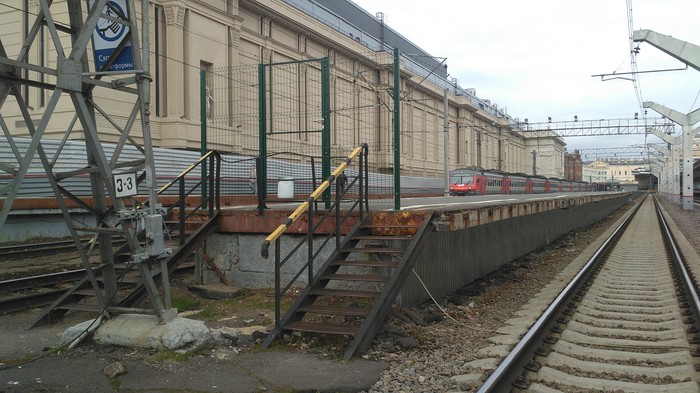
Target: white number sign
(125,184)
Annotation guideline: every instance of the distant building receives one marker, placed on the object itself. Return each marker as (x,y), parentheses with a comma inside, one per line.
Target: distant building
(601,171)
(573,169)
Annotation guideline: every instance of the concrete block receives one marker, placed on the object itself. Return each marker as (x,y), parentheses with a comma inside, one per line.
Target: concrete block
(146,331)
(73,332)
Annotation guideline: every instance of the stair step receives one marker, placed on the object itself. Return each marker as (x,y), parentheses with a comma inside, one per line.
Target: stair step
(332,310)
(328,328)
(345,293)
(355,277)
(381,237)
(378,250)
(365,263)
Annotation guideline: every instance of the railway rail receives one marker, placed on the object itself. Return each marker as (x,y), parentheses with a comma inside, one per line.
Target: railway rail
(628,321)
(61,246)
(43,289)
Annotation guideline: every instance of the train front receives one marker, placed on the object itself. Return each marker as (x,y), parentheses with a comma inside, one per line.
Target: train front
(462,184)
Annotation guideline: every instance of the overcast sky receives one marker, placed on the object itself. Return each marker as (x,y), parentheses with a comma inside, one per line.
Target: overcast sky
(536,58)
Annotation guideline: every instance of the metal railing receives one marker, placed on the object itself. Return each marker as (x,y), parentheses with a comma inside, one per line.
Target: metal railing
(353,202)
(206,188)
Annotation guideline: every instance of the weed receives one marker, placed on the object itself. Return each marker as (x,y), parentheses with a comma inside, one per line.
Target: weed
(186,303)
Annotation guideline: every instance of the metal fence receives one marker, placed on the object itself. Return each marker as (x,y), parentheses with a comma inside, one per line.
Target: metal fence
(300,119)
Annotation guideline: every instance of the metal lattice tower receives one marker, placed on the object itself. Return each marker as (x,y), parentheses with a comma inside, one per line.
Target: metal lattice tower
(113,178)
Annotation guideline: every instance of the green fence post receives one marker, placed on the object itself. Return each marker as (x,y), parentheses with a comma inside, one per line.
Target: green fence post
(397,132)
(326,135)
(262,135)
(203,126)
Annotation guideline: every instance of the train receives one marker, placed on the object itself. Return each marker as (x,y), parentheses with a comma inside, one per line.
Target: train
(476,181)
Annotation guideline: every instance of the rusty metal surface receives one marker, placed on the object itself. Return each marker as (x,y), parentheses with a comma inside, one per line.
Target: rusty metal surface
(246,221)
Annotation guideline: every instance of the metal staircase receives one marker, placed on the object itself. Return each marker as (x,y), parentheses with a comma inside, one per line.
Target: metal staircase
(185,227)
(351,293)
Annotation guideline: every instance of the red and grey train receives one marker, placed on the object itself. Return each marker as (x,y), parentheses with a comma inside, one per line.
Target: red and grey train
(480,182)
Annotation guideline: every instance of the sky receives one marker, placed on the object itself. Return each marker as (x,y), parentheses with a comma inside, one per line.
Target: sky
(536,58)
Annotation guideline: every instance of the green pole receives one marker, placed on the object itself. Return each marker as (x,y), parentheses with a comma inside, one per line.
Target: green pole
(397,132)
(262,136)
(326,135)
(203,125)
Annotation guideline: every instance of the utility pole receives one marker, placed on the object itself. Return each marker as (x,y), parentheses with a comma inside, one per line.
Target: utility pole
(446,151)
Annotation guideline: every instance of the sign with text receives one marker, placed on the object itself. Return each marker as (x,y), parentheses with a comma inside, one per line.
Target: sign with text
(108,34)
(125,185)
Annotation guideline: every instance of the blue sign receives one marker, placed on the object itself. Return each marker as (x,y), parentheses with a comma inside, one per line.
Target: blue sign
(107,36)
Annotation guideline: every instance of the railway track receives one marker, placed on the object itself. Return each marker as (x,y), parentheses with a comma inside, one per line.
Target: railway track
(26,250)
(43,289)
(628,322)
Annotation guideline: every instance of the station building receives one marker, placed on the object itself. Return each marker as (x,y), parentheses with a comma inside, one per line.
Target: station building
(228,39)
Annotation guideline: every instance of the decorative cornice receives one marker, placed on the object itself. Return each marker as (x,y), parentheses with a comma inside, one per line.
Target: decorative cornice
(174,14)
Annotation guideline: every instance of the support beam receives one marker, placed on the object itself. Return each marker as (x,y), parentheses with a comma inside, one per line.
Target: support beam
(682,187)
(664,151)
(683,51)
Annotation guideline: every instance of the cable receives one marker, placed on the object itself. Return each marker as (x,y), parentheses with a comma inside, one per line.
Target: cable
(445,312)
(633,60)
(694,102)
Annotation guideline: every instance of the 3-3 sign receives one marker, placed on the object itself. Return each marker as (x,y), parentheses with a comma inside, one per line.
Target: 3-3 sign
(125,184)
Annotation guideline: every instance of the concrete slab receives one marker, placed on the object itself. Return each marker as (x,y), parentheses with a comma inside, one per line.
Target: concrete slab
(500,351)
(484,364)
(468,381)
(506,339)
(74,332)
(146,331)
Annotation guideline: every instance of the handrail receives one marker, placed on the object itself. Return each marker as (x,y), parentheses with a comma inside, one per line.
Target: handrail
(188,170)
(332,210)
(314,196)
(210,198)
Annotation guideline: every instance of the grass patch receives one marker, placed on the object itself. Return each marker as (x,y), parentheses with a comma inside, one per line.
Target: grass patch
(209,313)
(186,303)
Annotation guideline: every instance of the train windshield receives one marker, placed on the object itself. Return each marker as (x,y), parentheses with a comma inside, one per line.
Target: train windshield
(461,179)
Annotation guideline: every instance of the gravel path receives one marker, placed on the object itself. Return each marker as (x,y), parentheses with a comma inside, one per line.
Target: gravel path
(429,352)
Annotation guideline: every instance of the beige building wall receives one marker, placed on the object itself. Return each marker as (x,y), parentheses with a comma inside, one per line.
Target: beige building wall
(601,171)
(188,36)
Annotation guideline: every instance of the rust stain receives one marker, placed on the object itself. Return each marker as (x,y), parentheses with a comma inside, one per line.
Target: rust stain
(242,221)
(403,223)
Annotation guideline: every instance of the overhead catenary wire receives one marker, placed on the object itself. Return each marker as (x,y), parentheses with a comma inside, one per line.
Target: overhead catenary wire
(633,59)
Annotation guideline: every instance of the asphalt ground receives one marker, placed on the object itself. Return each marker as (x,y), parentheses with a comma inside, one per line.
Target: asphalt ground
(219,369)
